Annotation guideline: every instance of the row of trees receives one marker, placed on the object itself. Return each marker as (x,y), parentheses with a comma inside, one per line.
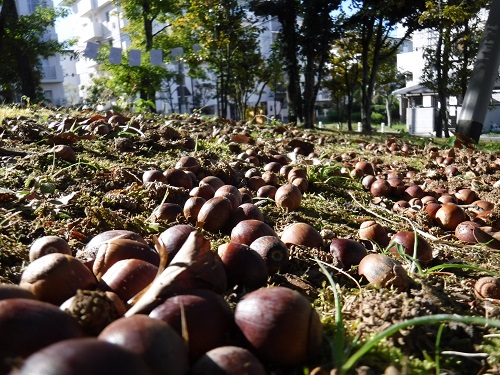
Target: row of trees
(349,49)
(228,36)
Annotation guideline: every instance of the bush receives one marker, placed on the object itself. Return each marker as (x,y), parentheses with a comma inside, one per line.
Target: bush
(377,118)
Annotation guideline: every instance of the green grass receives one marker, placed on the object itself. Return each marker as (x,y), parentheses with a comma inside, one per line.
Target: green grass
(345,361)
(327,205)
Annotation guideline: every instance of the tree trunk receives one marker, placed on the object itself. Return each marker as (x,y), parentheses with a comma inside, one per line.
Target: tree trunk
(350,101)
(24,66)
(289,40)
(441,84)
(146,93)
(371,41)
(466,63)
(4,13)
(309,97)
(148,24)
(482,80)
(388,111)
(366,103)
(442,124)
(28,82)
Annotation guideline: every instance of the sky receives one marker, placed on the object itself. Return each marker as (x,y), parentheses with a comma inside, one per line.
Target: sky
(65,27)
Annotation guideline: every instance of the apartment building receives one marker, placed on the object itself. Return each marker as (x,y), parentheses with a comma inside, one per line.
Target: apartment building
(52,81)
(102,22)
(71,78)
(96,21)
(418,104)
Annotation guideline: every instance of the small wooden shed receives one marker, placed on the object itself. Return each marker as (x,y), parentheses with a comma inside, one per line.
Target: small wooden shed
(418,108)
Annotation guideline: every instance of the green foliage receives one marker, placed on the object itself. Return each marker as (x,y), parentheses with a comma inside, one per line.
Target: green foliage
(123,82)
(22,48)
(373,22)
(142,15)
(229,47)
(377,118)
(98,93)
(448,64)
(142,106)
(304,46)
(344,78)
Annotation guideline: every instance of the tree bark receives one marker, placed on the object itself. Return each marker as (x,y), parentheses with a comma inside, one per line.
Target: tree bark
(26,74)
(148,24)
(290,50)
(388,111)
(350,101)
(372,43)
(482,80)
(24,68)
(443,68)
(309,96)
(146,93)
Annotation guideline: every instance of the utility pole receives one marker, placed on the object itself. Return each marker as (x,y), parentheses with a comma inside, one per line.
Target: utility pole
(484,75)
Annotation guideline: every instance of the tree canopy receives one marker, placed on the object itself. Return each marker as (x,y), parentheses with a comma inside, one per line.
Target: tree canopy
(307,32)
(457,29)
(22,48)
(375,22)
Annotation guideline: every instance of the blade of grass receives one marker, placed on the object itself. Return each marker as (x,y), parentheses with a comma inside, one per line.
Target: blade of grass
(430,319)
(460,266)
(339,270)
(438,349)
(339,338)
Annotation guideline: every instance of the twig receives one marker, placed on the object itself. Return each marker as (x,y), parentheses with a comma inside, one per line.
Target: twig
(468,355)
(338,270)
(7,152)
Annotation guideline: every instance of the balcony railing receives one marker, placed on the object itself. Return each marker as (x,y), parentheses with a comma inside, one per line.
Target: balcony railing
(83,7)
(91,31)
(49,72)
(101,3)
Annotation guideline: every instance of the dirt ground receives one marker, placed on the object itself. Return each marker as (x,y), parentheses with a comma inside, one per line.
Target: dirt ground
(100,188)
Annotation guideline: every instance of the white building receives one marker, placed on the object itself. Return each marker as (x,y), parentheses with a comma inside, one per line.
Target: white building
(418,104)
(52,81)
(102,22)
(71,78)
(96,21)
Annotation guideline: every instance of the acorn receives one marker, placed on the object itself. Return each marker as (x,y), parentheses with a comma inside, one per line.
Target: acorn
(373,231)
(302,234)
(407,242)
(384,271)
(288,196)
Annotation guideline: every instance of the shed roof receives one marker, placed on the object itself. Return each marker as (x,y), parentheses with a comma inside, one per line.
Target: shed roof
(422,90)
(413,90)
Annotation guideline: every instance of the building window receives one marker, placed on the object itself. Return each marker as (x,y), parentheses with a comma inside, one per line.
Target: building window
(33,4)
(417,101)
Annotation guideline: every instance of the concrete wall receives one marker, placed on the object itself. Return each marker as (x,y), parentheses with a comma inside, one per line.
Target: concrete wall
(420,120)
